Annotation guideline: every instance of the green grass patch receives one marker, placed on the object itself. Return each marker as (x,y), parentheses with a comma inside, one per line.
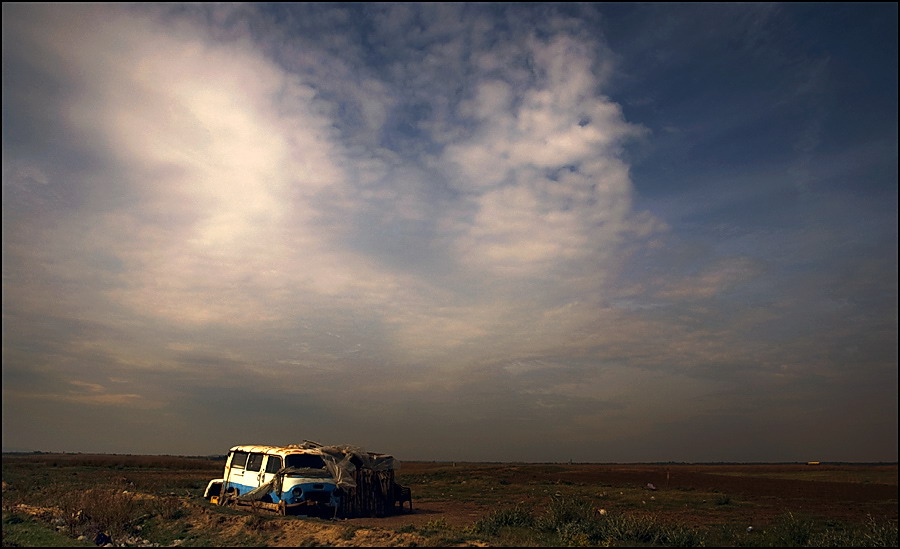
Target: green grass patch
(573,522)
(21,530)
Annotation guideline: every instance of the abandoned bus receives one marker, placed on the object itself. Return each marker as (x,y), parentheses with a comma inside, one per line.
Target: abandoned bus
(280,478)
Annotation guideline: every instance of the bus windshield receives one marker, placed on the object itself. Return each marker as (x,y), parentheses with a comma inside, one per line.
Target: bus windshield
(305,461)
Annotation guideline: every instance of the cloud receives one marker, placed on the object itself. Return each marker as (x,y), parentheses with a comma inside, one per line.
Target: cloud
(222,153)
(224,187)
(714,280)
(127,400)
(413,210)
(541,166)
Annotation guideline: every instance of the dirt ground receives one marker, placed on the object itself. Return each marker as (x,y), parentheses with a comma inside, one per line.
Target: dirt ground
(766,498)
(758,494)
(762,499)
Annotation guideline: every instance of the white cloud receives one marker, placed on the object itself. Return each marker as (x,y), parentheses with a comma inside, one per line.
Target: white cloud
(542,167)
(232,205)
(219,138)
(245,191)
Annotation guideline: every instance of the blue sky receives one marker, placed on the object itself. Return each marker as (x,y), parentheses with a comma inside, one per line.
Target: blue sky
(506,232)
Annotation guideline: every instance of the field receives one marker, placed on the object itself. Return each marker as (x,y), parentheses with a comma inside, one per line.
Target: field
(55,499)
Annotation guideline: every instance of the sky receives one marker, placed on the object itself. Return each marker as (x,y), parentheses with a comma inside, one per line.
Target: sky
(527,232)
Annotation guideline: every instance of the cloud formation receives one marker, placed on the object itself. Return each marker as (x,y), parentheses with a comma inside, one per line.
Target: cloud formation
(369,219)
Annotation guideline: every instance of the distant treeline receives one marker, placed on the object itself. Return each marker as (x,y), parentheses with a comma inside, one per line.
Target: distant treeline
(117,460)
(202,462)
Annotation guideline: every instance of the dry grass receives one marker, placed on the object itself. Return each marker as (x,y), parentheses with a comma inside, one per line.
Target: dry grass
(160,498)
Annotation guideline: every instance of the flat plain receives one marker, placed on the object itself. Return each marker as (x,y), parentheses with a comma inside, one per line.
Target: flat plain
(55,499)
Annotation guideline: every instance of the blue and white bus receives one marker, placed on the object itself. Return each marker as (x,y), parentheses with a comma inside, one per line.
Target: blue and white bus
(281,478)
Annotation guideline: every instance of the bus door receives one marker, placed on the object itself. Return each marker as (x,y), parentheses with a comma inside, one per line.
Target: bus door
(234,474)
(253,473)
(272,465)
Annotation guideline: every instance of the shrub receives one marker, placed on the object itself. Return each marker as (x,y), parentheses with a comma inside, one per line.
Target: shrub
(167,507)
(574,522)
(879,534)
(872,534)
(790,531)
(563,511)
(681,536)
(516,517)
(98,510)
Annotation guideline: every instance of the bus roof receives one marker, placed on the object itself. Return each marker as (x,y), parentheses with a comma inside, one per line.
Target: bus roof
(276,450)
(286,450)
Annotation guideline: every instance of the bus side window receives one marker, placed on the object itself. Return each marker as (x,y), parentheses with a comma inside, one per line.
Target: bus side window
(255,462)
(238,460)
(273,464)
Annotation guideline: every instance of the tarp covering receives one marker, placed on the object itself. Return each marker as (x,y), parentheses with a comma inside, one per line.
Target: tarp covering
(341,462)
